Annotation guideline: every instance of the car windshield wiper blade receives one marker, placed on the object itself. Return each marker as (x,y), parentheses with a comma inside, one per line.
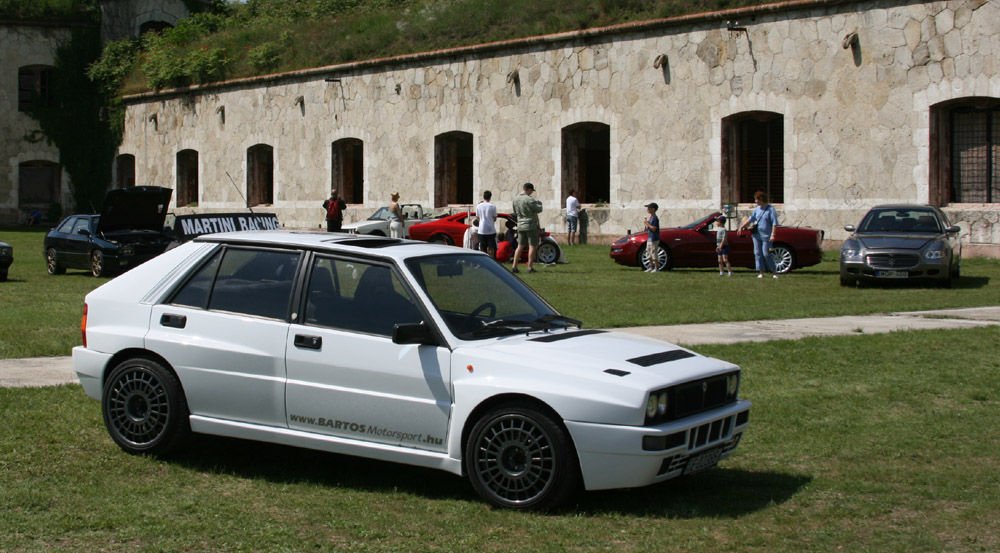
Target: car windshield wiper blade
(563,321)
(505,325)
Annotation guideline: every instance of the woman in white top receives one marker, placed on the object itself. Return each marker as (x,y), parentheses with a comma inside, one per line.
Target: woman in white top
(395,217)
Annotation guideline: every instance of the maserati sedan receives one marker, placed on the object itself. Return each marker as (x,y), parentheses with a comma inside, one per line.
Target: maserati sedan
(401,351)
(693,245)
(902,242)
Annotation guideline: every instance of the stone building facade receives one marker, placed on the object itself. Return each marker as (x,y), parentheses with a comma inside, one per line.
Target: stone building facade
(831,106)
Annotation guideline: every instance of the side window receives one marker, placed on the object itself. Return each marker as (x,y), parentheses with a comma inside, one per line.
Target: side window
(253,282)
(357,296)
(81,224)
(67,226)
(195,291)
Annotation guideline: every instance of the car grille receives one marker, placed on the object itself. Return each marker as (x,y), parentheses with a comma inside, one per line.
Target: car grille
(698,396)
(893,260)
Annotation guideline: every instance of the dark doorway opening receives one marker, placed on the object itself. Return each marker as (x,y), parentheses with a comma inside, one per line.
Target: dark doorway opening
(753,156)
(260,175)
(453,169)
(187,178)
(965,151)
(348,155)
(125,171)
(586,162)
(38,185)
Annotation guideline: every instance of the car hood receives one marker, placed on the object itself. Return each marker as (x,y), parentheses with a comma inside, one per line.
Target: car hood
(895,241)
(606,358)
(138,208)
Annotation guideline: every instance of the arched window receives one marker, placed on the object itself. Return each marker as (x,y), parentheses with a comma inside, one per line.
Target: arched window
(965,151)
(452,168)
(33,87)
(753,156)
(125,171)
(260,175)
(586,161)
(38,184)
(347,168)
(187,178)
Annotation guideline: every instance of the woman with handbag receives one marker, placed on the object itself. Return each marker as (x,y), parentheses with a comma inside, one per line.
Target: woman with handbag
(762,224)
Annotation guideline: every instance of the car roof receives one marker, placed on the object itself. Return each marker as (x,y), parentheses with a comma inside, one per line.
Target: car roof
(334,242)
(904,206)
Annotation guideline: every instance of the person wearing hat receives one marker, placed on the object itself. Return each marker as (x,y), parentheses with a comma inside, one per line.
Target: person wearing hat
(722,245)
(396,217)
(652,226)
(334,207)
(526,210)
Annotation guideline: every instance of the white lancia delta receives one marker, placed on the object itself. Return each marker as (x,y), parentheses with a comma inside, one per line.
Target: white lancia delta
(402,351)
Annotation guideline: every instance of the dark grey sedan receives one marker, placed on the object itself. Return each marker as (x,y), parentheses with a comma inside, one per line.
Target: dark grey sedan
(6,258)
(901,242)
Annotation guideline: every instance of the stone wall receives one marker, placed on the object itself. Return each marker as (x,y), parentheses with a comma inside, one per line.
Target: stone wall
(22,140)
(853,81)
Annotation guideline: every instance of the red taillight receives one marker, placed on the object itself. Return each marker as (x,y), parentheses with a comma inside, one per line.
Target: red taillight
(83,325)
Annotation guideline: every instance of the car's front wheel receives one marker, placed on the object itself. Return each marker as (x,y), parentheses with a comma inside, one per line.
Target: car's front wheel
(663,261)
(144,407)
(547,253)
(52,263)
(441,239)
(519,458)
(3,276)
(97,267)
(783,257)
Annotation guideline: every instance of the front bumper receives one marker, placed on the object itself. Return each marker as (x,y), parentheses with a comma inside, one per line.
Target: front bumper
(616,457)
(895,266)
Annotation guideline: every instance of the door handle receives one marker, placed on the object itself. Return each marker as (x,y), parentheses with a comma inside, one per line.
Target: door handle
(308,342)
(173,321)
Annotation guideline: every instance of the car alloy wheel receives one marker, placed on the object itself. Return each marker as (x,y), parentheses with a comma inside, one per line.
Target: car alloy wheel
(97,263)
(52,263)
(662,259)
(516,457)
(783,259)
(143,407)
(548,253)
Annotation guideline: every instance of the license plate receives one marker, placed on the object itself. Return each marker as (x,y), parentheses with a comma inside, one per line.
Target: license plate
(703,461)
(892,274)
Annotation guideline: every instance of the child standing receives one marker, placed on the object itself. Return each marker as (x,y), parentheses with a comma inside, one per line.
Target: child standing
(652,226)
(722,246)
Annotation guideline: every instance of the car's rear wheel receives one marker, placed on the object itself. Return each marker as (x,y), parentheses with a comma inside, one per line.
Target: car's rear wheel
(52,263)
(547,253)
(519,458)
(441,239)
(663,260)
(783,258)
(144,407)
(3,276)
(97,264)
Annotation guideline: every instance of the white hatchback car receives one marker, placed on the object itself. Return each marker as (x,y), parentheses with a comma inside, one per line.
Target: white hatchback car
(401,351)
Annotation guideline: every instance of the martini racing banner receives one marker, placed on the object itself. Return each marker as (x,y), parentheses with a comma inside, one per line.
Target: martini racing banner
(187,227)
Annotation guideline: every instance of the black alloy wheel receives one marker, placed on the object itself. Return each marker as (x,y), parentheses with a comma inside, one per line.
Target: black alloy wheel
(144,408)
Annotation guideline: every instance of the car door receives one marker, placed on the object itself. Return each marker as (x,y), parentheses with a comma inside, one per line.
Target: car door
(76,246)
(224,332)
(347,378)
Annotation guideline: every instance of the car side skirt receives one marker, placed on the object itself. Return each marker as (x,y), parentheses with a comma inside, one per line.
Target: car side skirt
(331,444)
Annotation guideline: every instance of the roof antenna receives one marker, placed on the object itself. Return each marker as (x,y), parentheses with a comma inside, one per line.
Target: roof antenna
(232,180)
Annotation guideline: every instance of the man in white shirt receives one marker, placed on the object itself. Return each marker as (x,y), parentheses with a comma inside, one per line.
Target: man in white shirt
(572,217)
(487,214)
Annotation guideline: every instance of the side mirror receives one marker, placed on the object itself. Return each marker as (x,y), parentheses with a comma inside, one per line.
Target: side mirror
(85,232)
(414,333)
(953,229)
(849,228)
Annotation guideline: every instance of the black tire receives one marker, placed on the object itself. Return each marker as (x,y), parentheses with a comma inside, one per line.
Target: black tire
(3,276)
(663,257)
(441,239)
(52,264)
(783,258)
(517,457)
(547,253)
(97,267)
(144,408)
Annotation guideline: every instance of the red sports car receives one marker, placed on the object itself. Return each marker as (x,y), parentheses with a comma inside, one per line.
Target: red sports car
(450,230)
(693,245)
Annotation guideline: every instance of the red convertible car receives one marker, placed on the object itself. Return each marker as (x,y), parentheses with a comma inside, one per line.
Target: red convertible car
(450,230)
(693,245)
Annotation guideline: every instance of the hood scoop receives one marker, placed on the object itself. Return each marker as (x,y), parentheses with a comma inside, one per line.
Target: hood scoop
(617,372)
(566,335)
(662,357)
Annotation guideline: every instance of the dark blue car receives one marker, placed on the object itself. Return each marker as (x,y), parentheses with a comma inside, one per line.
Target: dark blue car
(128,232)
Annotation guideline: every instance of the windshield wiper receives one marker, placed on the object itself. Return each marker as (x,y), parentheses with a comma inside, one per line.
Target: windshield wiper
(506,325)
(548,320)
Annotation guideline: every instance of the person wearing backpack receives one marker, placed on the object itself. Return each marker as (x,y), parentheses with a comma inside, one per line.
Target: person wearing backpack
(334,207)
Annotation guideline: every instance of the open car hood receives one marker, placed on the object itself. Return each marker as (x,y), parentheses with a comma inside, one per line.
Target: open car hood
(138,208)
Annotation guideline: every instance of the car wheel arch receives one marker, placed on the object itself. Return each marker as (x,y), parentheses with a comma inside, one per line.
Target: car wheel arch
(493,402)
(139,353)
(793,263)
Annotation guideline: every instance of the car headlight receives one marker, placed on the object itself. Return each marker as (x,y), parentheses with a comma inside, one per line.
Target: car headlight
(732,385)
(656,405)
(935,252)
(850,250)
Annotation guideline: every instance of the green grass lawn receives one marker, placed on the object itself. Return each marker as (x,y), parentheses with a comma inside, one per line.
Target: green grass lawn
(887,443)
(40,314)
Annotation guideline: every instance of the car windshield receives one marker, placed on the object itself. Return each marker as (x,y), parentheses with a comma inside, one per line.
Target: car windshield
(895,220)
(479,299)
(698,221)
(381,214)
